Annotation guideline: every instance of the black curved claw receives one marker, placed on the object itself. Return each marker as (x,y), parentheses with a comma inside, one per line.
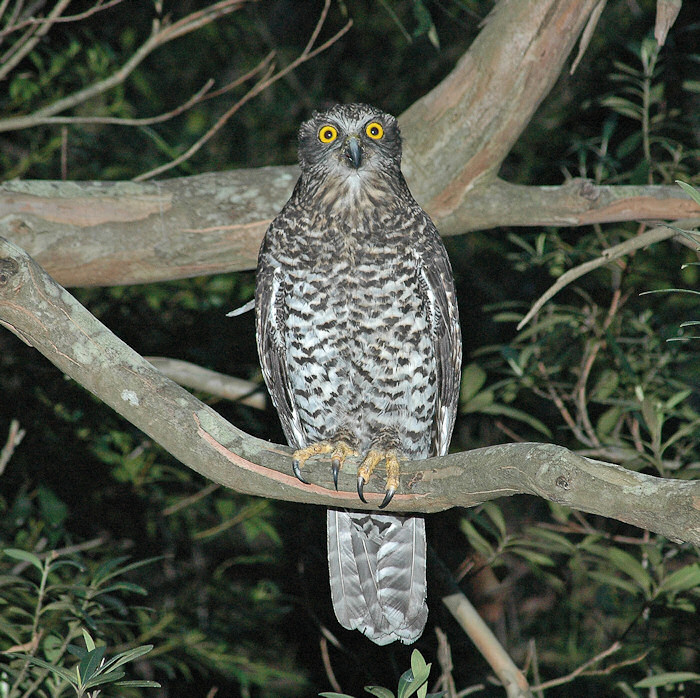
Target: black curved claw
(335,466)
(387,497)
(360,488)
(297,472)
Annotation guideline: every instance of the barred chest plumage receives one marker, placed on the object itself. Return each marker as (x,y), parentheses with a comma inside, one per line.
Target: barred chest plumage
(357,335)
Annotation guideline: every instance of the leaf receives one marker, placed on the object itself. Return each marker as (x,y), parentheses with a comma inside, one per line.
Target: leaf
(66,675)
(630,566)
(331,694)
(518,415)
(683,579)
(667,679)
(137,683)
(473,379)
(101,678)
(532,556)
(379,691)
(608,579)
(476,540)
(89,642)
(606,385)
(692,192)
(127,656)
(493,511)
(90,663)
(25,556)
(607,421)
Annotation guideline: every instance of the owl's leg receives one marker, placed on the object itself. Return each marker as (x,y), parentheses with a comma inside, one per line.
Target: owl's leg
(368,465)
(339,451)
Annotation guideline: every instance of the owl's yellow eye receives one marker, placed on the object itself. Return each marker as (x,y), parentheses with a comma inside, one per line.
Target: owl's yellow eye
(327,134)
(374,130)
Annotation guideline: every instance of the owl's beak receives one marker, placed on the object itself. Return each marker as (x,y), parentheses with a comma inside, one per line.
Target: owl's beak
(353,151)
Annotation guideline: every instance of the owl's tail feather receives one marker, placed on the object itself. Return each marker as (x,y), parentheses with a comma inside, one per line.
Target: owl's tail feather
(377,574)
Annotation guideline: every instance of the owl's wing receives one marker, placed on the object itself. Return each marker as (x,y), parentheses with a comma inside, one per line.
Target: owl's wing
(438,287)
(270,313)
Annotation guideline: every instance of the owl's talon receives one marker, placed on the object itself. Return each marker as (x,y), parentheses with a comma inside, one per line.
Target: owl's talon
(297,472)
(360,488)
(388,495)
(335,467)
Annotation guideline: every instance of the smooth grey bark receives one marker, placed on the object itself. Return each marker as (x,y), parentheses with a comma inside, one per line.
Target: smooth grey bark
(44,315)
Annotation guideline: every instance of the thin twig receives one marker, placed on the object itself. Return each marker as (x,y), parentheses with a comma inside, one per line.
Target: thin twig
(446,681)
(328,667)
(14,439)
(192,499)
(158,37)
(583,670)
(268,79)
(22,47)
(35,21)
(639,242)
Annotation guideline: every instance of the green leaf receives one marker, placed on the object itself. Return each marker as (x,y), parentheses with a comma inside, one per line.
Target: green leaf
(90,663)
(518,415)
(137,683)
(493,511)
(379,691)
(476,540)
(101,678)
(683,579)
(24,556)
(692,192)
(608,579)
(473,379)
(667,679)
(331,694)
(607,421)
(405,683)
(127,656)
(532,556)
(630,566)
(606,385)
(89,642)
(65,674)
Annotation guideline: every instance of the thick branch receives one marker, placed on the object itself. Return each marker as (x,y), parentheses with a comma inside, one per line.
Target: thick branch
(102,233)
(461,131)
(455,139)
(44,315)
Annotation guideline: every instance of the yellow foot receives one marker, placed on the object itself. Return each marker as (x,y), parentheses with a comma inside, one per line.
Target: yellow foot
(364,472)
(339,451)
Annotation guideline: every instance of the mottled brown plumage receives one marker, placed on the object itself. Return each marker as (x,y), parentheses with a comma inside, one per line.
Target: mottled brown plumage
(360,347)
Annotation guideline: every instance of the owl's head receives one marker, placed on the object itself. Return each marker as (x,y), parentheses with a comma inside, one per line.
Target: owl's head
(350,140)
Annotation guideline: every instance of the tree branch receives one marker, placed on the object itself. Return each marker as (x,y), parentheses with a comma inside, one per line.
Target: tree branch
(455,139)
(47,317)
(160,34)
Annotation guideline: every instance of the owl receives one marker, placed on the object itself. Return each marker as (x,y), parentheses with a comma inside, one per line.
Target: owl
(359,341)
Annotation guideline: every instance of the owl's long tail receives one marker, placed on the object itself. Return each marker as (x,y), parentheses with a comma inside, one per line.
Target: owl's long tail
(377,574)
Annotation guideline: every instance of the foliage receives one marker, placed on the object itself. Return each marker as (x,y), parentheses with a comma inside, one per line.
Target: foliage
(45,617)
(412,681)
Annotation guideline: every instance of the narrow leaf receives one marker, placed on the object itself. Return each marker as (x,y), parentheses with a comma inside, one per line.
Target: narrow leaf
(667,679)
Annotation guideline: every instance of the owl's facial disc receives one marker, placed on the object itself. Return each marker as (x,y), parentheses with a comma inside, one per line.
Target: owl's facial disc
(352,151)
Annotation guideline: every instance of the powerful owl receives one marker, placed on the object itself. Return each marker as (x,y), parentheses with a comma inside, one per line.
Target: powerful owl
(359,341)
